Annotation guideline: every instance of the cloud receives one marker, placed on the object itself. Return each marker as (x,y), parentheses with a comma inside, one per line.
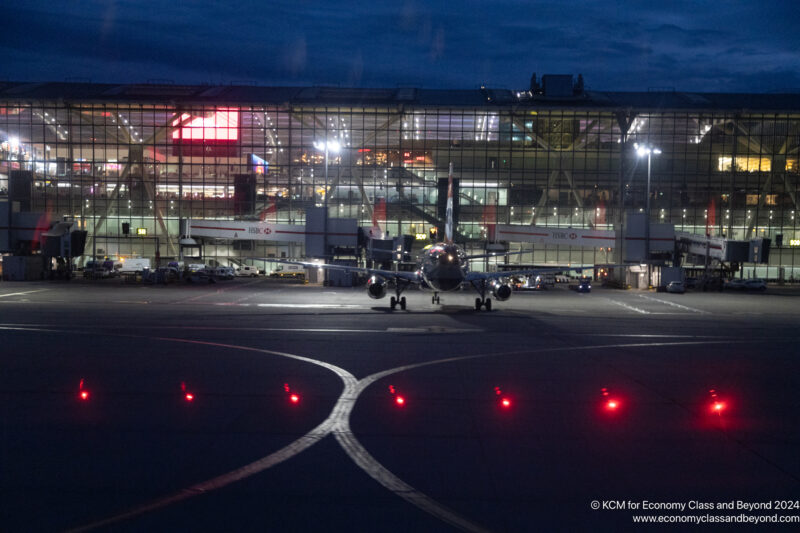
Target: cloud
(691,45)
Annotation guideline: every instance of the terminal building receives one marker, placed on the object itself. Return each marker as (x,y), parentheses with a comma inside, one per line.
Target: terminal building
(139,166)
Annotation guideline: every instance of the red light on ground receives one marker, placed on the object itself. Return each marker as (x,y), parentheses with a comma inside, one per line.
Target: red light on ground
(400,401)
(717,405)
(294,398)
(610,403)
(189,397)
(82,394)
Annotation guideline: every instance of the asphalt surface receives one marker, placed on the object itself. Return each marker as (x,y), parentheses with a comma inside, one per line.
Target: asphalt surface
(241,456)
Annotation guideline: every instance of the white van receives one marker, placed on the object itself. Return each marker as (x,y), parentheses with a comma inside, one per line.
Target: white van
(288,271)
(247,271)
(134,264)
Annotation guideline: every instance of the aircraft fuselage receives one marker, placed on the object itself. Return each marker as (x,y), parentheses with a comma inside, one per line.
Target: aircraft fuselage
(443,266)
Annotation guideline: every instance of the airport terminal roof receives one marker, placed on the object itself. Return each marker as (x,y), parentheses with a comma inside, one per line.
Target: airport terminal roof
(171,94)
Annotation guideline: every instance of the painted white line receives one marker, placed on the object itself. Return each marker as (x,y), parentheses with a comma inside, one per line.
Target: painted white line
(673,304)
(629,307)
(434,329)
(21,293)
(431,329)
(313,306)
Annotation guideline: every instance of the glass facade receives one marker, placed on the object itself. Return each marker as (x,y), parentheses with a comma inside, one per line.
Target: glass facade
(121,165)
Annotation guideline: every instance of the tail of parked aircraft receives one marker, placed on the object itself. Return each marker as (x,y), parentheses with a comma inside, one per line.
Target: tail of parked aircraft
(448,226)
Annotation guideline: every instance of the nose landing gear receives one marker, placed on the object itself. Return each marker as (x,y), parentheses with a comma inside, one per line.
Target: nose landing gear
(483,302)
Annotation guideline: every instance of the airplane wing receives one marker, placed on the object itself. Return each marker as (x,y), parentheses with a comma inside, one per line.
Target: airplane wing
(412,277)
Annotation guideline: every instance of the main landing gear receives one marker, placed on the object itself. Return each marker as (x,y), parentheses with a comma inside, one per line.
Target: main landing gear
(483,301)
(399,286)
(435,298)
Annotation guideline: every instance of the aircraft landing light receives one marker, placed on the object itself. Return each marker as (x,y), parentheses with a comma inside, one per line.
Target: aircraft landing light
(400,401)
(505,402)
(294,398)
(189,397)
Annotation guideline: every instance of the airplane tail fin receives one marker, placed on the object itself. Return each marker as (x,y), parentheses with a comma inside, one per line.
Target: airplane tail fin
(448,226)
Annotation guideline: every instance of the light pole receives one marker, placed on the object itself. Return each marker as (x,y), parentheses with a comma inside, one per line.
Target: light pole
(326,146)
(641,151)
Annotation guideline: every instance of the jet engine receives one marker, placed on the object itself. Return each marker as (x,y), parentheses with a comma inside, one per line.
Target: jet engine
(501,291)
(376,287)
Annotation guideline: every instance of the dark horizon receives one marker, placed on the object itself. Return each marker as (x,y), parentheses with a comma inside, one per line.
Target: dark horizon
(686,46)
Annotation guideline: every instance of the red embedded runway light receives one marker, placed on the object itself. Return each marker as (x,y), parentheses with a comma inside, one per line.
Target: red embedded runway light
(293,396)
(188,396)
(503,401)
(83,394)
(399,400)
(610,403)
(717,405)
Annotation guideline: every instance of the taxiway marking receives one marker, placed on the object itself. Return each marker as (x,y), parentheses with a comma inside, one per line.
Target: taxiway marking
(21,293)
(673,304)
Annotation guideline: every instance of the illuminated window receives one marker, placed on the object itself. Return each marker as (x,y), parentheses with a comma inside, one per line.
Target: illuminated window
(793,165)
(221,125)
(769,199)
(745,164)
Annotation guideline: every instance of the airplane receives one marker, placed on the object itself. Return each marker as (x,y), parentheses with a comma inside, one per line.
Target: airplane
(441,267)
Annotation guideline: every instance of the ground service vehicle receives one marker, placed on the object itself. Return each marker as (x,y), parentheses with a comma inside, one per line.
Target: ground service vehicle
(676,287)
(247,271)
(585,285)
(134,264)
(289,271)
(755,284)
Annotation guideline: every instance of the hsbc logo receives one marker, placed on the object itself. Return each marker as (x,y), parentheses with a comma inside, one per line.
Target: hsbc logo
(259,231)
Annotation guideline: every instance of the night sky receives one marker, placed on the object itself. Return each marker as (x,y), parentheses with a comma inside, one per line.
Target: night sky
(712,46)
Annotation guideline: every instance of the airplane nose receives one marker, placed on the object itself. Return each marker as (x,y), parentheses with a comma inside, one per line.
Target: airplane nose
(447,259)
